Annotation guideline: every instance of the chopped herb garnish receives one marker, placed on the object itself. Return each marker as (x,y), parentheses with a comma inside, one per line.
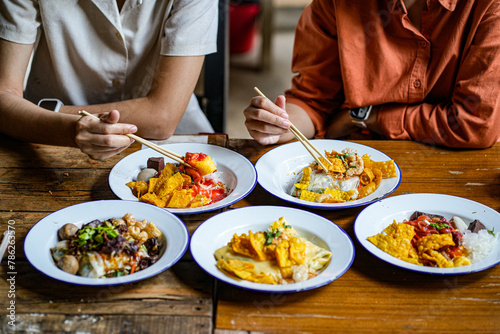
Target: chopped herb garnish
(439,226)
(343,157)
(274,233)
(96,234)
(269,237)
(492,231)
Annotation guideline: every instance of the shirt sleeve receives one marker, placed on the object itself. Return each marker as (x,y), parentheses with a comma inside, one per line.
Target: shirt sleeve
(317,85)
(190,29)
(471,117)
(19,21)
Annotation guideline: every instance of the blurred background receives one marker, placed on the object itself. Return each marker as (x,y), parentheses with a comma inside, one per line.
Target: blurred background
(261,40)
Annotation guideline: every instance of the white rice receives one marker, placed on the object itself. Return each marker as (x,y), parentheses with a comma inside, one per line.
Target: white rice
(320,181)
(478,245)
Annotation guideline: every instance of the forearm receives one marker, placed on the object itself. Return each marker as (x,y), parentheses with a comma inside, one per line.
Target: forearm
(25,121)
(157,114)
(152,122)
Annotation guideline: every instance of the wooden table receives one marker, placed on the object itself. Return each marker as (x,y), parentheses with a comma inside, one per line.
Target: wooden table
(372,296)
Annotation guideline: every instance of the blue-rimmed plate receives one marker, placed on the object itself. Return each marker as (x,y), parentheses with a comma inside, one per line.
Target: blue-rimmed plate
(376,217)
(43,236)
(217,231)
(278,169)
(234,170)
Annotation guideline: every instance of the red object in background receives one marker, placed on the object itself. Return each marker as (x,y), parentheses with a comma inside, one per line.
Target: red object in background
(242,26)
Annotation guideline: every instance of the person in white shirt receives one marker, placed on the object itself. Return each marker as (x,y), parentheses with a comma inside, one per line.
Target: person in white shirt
(133,63)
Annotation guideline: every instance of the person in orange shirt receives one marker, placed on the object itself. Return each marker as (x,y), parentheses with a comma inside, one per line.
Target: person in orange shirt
(423,70)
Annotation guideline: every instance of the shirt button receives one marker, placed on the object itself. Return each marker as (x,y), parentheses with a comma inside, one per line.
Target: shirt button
(417,83)
(119,36)
(116,82)
(423,44)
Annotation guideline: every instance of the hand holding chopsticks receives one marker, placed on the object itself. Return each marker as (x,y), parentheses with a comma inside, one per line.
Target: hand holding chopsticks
(301,138)
(157,148)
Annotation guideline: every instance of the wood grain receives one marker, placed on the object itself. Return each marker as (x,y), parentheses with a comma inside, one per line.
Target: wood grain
(372,296)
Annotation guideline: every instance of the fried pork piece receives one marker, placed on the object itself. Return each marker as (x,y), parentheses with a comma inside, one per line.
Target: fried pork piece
(156,163)
(476,226)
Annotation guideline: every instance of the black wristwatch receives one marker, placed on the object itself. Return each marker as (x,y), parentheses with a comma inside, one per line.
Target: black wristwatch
(360,115)
(50,104)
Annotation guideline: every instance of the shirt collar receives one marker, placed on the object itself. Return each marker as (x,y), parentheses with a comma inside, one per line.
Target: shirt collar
(450,5)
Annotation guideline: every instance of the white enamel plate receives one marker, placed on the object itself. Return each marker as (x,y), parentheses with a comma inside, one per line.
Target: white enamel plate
(43,236)
(217,231)
(236,172)
(278,169)
(375,218)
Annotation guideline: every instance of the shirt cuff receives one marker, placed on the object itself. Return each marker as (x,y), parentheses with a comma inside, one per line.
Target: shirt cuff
(391,119)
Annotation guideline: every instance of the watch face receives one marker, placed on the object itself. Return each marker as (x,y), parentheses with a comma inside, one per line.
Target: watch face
(49,104)
(359,113)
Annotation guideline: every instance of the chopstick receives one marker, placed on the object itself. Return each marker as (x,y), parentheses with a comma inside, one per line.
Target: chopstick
(301,138)
(157,148)
(5,242)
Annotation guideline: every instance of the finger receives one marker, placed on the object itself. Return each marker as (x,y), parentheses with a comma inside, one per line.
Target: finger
(264,118)
(281,103)
(265,128)
(104,155)
(268,105)
(111,117)
(263,139)
(102,143)
(96,126)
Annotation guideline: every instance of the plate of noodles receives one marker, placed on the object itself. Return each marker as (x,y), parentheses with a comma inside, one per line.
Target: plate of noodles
(323,251)
(359,174)
(434,233)
(103,247)
(232,172)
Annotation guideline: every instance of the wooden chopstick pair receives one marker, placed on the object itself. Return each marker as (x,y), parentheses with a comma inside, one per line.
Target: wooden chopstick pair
(157,148)
(301,138)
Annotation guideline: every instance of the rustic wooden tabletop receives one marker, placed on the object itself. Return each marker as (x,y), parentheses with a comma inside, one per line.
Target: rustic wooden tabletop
(372,296)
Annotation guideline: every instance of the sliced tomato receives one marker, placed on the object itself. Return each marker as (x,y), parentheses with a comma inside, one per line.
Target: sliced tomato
(193,157)
(218,194)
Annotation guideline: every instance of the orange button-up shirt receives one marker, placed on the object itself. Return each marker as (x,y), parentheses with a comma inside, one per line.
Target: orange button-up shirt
(439,85)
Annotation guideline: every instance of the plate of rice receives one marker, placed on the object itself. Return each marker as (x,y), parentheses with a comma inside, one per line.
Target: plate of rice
(431,233)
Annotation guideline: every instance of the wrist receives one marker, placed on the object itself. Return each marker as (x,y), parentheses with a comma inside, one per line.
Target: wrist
(50,104)
(372,121)
(360,116)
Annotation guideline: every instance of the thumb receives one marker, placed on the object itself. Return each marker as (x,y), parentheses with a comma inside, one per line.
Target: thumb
(112,117)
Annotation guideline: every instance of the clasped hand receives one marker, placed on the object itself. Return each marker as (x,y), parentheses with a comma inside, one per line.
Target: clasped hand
(103,137)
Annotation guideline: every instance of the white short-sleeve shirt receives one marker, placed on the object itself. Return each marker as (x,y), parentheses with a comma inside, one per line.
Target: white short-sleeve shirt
(89,52)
